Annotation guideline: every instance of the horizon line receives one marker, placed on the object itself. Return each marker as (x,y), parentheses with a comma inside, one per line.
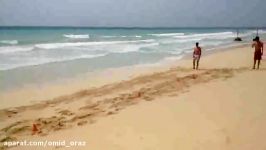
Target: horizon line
(131,27)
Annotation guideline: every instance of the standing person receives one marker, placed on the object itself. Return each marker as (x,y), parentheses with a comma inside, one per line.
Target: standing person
(258,51)
(196,56)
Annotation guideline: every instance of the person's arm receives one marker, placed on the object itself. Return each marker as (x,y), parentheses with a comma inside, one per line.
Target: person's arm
(200,51)
(261,48)
(253,44)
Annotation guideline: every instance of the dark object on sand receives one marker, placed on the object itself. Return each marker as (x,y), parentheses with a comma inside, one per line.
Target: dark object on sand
(237,37)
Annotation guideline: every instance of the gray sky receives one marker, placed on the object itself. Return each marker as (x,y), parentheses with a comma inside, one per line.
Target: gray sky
(142,13)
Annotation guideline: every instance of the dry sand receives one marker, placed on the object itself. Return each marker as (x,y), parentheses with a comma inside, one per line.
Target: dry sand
(219,107)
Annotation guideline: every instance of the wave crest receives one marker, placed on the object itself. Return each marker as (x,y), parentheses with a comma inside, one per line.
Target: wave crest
(14,49)
(77,36)
(11,42)
(168,34)
(77,44)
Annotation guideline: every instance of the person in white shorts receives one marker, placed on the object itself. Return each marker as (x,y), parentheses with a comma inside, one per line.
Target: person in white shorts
(196,56)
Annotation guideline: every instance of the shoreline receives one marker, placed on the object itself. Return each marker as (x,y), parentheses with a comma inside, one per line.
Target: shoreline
(31,93)
(38,92)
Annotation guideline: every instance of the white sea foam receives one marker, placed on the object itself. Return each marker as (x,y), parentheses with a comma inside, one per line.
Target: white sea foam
(14,49)
(77,36)
(168,34)
(227,46)
(134,47)
(252,33)
(123,36)
(181,51)
(216,43)
(110,36)
(173,58)
(259,31)
(171,41)
(207,35)
(77,44)
(119,48)
(40,61)
(11,42)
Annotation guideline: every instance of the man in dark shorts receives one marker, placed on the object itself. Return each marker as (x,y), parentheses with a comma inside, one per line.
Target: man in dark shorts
(196,56)
(258,51)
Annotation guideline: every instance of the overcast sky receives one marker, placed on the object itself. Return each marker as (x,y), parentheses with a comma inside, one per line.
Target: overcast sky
(132,13)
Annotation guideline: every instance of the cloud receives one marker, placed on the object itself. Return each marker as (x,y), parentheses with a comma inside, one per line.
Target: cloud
(133,12)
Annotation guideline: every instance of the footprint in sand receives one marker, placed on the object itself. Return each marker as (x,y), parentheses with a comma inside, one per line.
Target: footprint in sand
(66,113)
(81,123)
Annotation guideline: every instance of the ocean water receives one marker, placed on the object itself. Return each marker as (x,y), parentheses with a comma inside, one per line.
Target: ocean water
(23,47)
(85,49)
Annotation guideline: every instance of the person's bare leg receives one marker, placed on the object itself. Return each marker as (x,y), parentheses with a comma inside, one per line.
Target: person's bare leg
(197,64)
(258,64)
(254,64)
(193,63)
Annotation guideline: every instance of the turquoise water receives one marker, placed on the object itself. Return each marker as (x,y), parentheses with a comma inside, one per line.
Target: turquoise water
(28,46)
(27,53)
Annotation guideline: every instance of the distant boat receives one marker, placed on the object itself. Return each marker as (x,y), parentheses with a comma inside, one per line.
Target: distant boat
(237,37)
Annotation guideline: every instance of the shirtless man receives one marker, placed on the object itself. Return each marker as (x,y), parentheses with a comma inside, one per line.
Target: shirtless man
(258,51)
(196,56)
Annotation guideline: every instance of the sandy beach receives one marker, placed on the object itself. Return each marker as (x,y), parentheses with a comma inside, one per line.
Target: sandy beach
(167,106)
